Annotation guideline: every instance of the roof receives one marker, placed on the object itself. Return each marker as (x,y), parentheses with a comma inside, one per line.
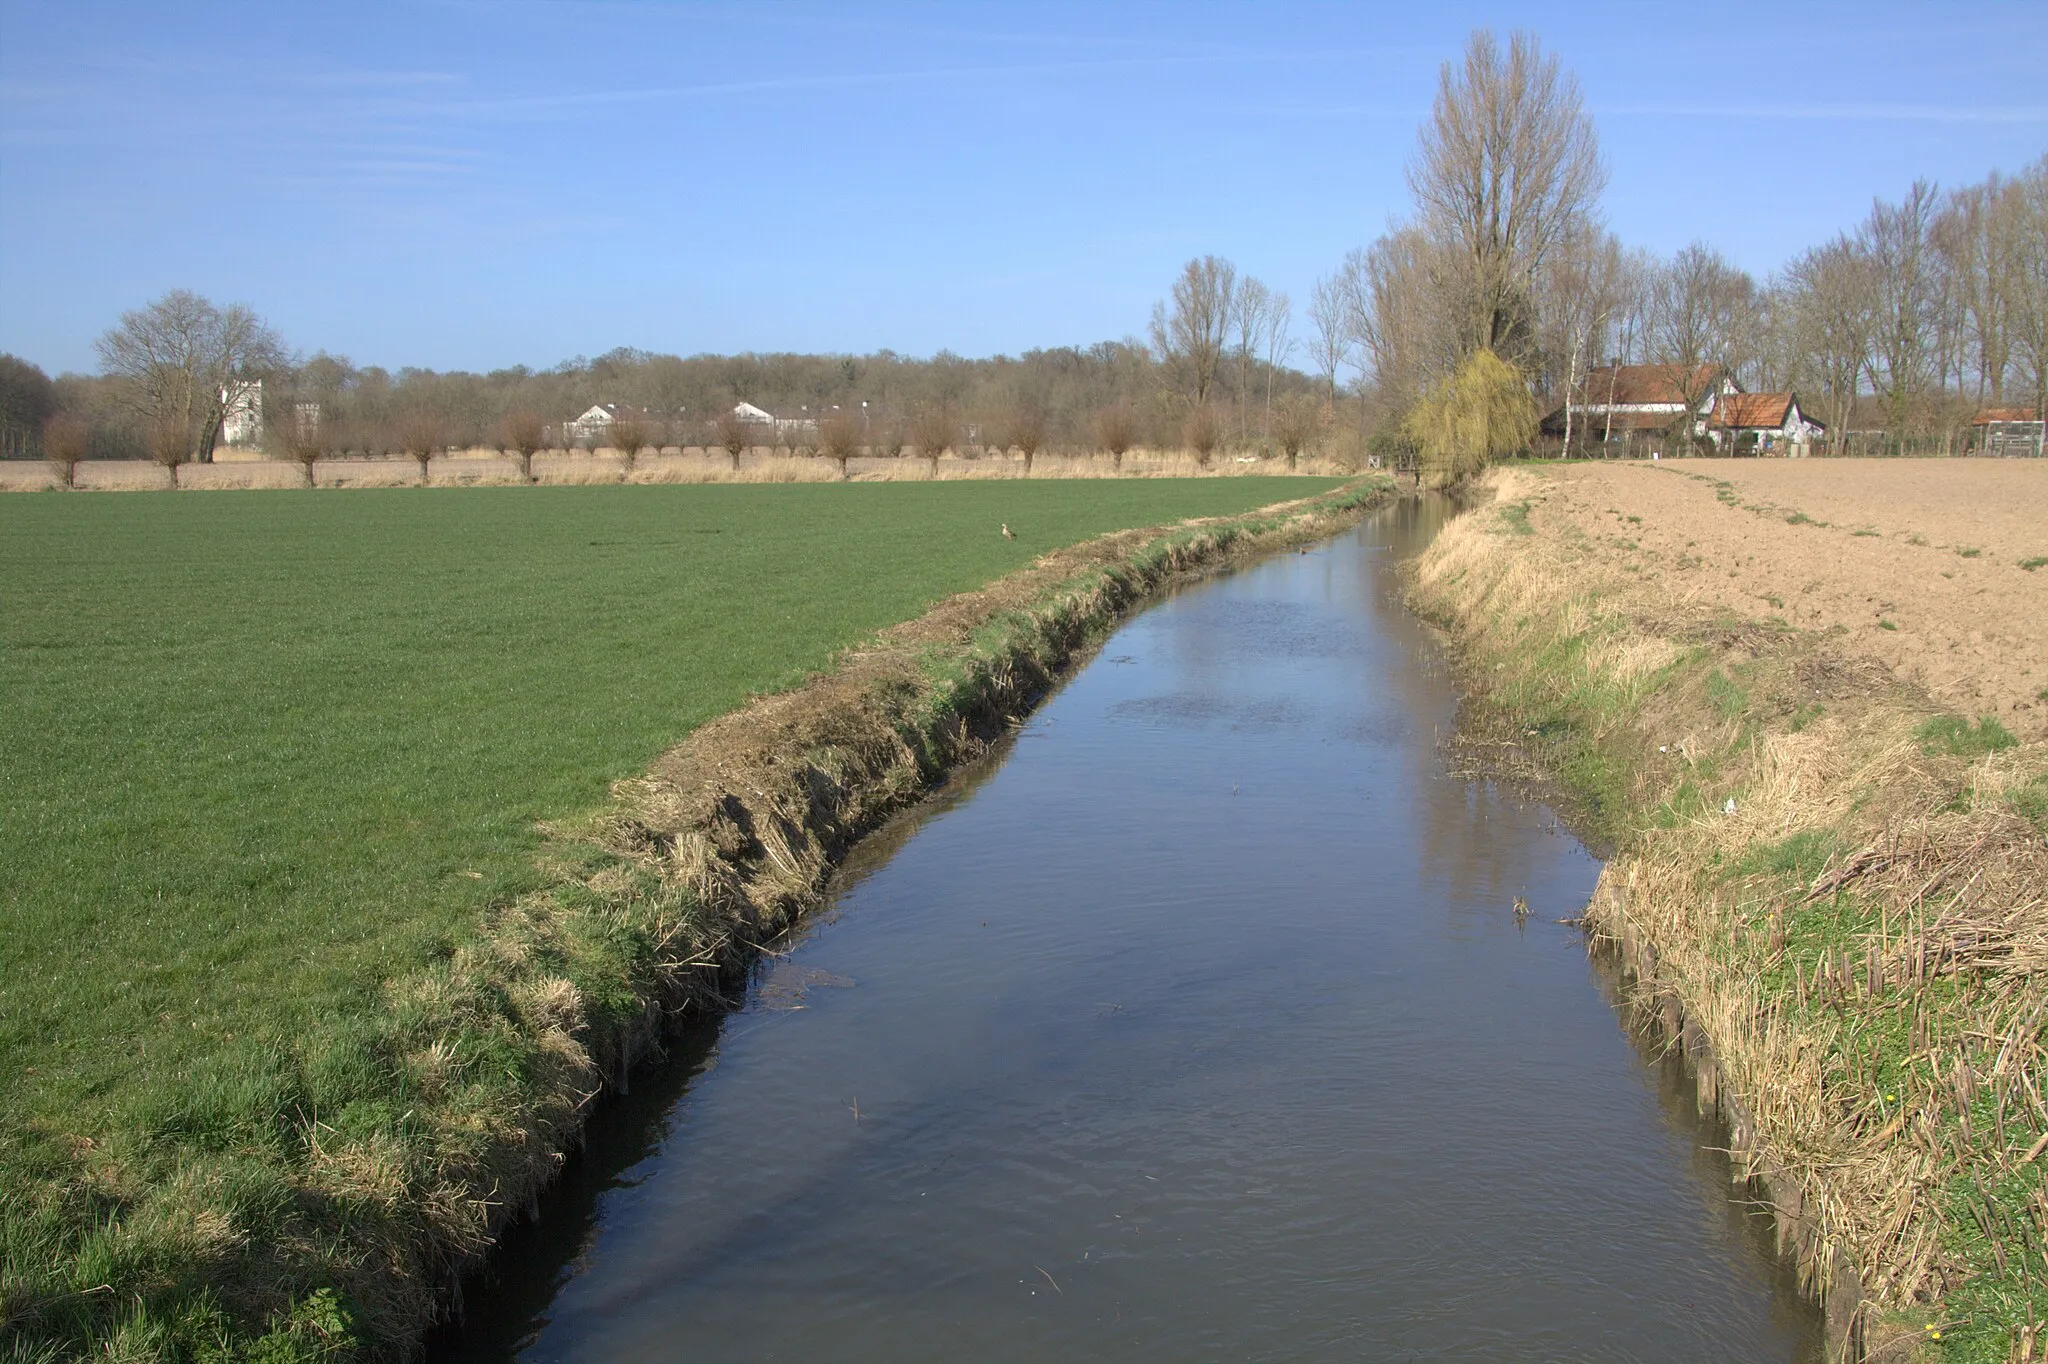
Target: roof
(1759,411)
(1633,385)
(2004,414)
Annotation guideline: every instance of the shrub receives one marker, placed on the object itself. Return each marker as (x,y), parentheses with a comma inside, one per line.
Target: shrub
(839,437)
(1025,431)
(1293,424)
(66,439)
(733,435)
(170,444)
(422,435)
(522,432)
(934,429)
(1116,430)
(627,438)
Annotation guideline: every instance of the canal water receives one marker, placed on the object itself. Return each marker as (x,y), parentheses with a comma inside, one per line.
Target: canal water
(1196,1024)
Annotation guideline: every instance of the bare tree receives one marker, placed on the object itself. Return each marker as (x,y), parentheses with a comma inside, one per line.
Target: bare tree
(1249,313)
(1024,429)
(66,439)
(182,363)
(734,436)
(421,434)
(1329,314)
(1581,289)
(934,429)
(170,443)
(1509,164)
(1829,298)
(2030,285)
(1396,306)
(298,430)
(1279,341)
(1294,423)
(523,432)
(628,435)
(1702,319)
(839,437)
(1116,430)
(1896,237)
(1191,330)
(27,401)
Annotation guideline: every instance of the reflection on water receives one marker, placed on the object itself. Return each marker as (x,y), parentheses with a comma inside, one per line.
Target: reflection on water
(1196,1025)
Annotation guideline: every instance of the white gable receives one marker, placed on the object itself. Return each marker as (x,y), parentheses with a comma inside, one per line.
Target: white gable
(747,412)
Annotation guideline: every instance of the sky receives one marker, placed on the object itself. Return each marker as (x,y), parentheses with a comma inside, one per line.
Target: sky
(456,184)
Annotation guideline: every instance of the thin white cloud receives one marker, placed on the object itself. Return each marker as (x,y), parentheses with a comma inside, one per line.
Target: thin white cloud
(1845,113)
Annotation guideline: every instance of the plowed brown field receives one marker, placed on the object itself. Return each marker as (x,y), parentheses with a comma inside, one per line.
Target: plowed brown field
(1917,563)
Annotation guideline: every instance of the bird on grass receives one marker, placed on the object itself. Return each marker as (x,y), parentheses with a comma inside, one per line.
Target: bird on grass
(1008,534)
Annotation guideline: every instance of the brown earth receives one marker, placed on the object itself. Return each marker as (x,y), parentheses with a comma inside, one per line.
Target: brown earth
(1915,563)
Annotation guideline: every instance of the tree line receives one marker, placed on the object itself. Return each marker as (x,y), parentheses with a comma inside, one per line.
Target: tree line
(172,372)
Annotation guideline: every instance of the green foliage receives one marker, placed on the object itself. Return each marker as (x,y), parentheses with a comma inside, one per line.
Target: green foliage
(1482,412)
(2031,801)
(1799,856)
(1728,698)
(1954,735)
(2037,561)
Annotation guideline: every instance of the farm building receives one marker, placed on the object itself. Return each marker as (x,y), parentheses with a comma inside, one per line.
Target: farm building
(2007,431)
(1634,404)
(1768,423)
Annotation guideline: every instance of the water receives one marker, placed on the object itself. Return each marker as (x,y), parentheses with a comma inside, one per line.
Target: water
(1197,1025)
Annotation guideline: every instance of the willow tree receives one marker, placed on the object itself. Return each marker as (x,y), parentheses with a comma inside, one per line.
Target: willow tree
(1480,413)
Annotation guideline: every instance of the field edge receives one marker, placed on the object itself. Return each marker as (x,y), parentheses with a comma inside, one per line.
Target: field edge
(257,1223)
(1824,892)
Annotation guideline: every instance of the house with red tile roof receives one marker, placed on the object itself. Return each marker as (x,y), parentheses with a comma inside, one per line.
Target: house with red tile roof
(1768,423)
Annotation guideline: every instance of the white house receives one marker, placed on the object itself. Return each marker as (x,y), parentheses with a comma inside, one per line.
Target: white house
(1621,402)
(1772,420)
(242,412)
(753,415)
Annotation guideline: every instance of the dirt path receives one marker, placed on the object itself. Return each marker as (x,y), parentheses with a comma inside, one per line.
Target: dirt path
(1917,563)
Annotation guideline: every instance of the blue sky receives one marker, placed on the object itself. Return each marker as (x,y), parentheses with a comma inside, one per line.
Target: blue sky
(470,185)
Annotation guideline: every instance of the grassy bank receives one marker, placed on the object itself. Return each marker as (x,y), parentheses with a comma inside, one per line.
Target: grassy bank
(1834,891)
(329,929)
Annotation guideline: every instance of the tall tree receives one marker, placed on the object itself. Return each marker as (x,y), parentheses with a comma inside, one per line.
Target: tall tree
(181,363)
(1331,340)
(27,401)
(1581,289)
(1702,323)
(1248,314)
(1191,329)
(1897,239)
(1508,166)
(2029,230)
(1829,299)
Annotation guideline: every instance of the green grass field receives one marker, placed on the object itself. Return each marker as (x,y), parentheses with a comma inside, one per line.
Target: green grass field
(260,751)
